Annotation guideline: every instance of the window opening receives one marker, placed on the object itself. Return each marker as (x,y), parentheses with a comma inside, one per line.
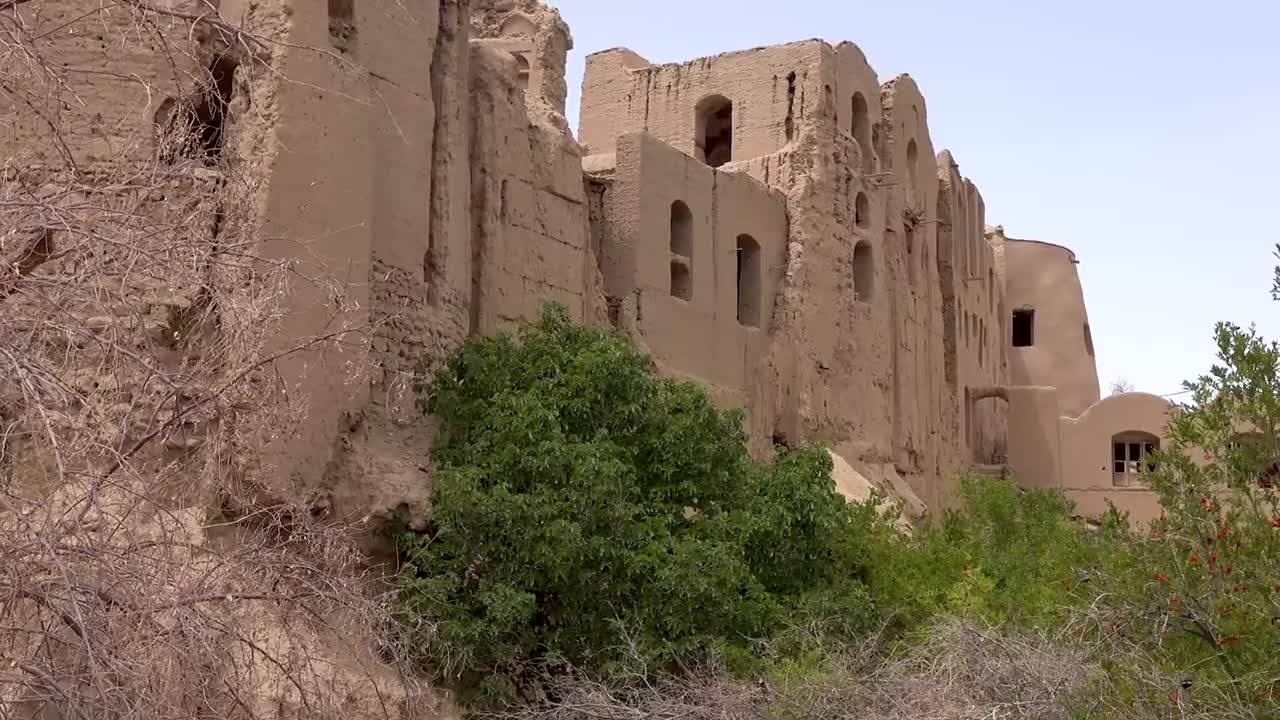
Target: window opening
(864,271)
(750,278)
(1024,327)
(715,130)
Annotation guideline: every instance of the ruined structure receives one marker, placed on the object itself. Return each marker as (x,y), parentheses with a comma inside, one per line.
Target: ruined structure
(775,223)
(1062,434)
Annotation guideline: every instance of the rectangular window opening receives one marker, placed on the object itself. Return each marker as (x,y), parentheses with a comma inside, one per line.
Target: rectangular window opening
(342,24)
(1024,323)
(681,280)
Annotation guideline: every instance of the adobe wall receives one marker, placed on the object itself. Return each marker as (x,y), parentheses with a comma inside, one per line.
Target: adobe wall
(1035,437)
(125,76)
(1074,454)
(1087,463)
(974,308)
(679,298)
(859,342)
(415,166)
(621,92)
(529,234)
(360,157)
(1042,277)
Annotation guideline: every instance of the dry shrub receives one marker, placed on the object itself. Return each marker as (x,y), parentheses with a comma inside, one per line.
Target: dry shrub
(956,671)
(144,572)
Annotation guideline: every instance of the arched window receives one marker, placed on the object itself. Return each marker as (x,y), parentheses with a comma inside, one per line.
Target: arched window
(864,272)
(1130,456)
(860,128)
(750,281)
(1088,340)
(862,211)
(913,158)
(991,289)
(714,130)
(681,251)
(681,229)
(518,25)
(522,71)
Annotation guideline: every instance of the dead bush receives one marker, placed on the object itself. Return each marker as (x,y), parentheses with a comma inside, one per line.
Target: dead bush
(144,573)
(954,671)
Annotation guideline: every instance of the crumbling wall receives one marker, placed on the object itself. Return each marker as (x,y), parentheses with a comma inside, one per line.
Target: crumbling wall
(530,234)
(323,195)
(125,69)
(974,323)
(540,39)
(692,259)
(770,88)
(867,345)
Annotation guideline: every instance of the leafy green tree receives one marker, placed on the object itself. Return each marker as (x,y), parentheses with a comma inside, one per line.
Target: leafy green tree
(1197,594)
(587,510)
(1006,555)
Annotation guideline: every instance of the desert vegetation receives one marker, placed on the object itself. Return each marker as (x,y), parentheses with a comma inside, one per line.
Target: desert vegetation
(601,545)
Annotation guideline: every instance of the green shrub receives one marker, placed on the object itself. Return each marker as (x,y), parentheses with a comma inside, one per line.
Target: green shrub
(1005,555)
(587,510)
(1197,594)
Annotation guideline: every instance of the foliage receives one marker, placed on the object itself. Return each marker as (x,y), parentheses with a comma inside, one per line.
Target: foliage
(1198,594)
(586,510)
(1004,555)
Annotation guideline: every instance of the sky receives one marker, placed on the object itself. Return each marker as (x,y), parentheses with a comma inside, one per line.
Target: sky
(1139,133)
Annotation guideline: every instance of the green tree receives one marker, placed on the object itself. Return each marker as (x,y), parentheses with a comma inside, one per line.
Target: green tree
(587,510)
(1197,594)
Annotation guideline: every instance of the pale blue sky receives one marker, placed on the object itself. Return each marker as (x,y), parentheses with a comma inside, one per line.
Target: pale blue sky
(1138,133)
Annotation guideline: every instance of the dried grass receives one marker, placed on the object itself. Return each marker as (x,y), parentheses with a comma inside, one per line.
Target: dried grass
(956,671)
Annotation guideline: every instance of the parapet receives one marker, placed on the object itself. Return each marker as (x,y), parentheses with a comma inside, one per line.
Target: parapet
(730,107)
(538,38)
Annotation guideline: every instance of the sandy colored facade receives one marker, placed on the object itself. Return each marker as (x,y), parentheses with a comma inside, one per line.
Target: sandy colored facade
(1062,433)
(775,223)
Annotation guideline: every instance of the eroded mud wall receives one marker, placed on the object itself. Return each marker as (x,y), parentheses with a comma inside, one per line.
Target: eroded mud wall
(878,326)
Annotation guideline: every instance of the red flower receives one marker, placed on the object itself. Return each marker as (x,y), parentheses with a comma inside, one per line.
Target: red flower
(1176,696)
(1193,559)
(1162,577)
(1228,569)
